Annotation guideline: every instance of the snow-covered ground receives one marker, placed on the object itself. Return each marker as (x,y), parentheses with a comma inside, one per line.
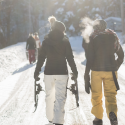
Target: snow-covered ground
(10,58)
(16,78)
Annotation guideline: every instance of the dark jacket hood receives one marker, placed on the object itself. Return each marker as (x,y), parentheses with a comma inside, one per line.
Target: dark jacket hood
(56,35)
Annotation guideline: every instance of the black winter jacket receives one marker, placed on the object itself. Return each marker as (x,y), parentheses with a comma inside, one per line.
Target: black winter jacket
(31,43)
(101,54)
(56,50)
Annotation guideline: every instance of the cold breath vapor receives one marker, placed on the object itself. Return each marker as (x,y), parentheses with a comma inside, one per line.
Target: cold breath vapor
(87,25)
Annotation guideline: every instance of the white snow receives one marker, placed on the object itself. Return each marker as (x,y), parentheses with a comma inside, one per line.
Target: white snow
(65,19)
(93,9)
(14,56)
(86,7)
(10,58)
(76,0)
(64,3)
(113,18)
(78,10)
(1,30)
(72,28)
(59,11)
(70,14)
(97,9)
(98,16)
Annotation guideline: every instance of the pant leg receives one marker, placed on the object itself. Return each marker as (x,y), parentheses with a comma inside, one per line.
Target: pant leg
(30,54)
(96,89)
(60,98)
(50,95)
(110,93)
(33,55)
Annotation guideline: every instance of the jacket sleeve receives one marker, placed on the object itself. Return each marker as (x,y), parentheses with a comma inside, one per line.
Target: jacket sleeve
(41,57)
(70,58)
(90,56)
(120,58)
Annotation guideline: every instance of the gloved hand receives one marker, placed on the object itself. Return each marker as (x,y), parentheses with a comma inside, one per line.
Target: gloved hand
(36,74)
(73,76)
(87,83)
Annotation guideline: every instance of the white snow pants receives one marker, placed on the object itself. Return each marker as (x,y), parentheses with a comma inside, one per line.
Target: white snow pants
(55,87)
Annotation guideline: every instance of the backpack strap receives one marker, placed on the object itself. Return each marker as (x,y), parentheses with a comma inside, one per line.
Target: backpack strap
(116,81)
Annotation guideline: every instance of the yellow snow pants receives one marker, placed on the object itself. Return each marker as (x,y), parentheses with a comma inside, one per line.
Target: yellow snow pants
(97,77)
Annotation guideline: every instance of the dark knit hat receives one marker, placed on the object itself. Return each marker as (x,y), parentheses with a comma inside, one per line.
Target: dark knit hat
(99,25)
(59,26)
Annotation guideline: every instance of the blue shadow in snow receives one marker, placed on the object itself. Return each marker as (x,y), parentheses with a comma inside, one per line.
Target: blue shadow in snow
(27,66)
(84,62)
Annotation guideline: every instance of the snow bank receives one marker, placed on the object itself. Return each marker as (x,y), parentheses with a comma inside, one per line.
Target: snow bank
(10,58)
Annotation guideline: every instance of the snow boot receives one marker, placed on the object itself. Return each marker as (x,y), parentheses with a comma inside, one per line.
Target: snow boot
(113,118)
(97,121)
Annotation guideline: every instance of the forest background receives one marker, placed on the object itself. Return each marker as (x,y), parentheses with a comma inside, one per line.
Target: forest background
(18,18)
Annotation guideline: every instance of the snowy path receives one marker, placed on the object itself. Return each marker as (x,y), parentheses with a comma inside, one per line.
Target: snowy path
(18,108)
(17,97)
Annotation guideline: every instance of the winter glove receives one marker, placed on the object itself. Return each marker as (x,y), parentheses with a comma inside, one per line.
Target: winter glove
(36,74)
(73,76)
(87,83)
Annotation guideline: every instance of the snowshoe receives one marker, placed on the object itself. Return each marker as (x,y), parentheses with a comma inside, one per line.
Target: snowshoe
(113,118)
(74,89)
(37,89)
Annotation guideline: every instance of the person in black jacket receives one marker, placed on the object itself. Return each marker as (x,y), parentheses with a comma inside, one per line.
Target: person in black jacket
(104,43)
(31,47)
(56,50)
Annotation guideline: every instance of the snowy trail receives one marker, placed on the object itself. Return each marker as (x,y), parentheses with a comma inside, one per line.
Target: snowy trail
(17,97)
(18,107)
(20,103)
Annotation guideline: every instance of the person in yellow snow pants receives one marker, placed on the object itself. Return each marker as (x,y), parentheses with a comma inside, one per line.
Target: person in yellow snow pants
(103,45)
(97,78)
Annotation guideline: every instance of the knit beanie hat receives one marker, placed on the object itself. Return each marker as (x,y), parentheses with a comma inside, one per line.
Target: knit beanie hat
(59,26)
(99,25)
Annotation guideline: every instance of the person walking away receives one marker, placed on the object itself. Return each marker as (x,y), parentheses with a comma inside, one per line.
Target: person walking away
(103,44)
(38,44)
(31,46)
(56,50)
